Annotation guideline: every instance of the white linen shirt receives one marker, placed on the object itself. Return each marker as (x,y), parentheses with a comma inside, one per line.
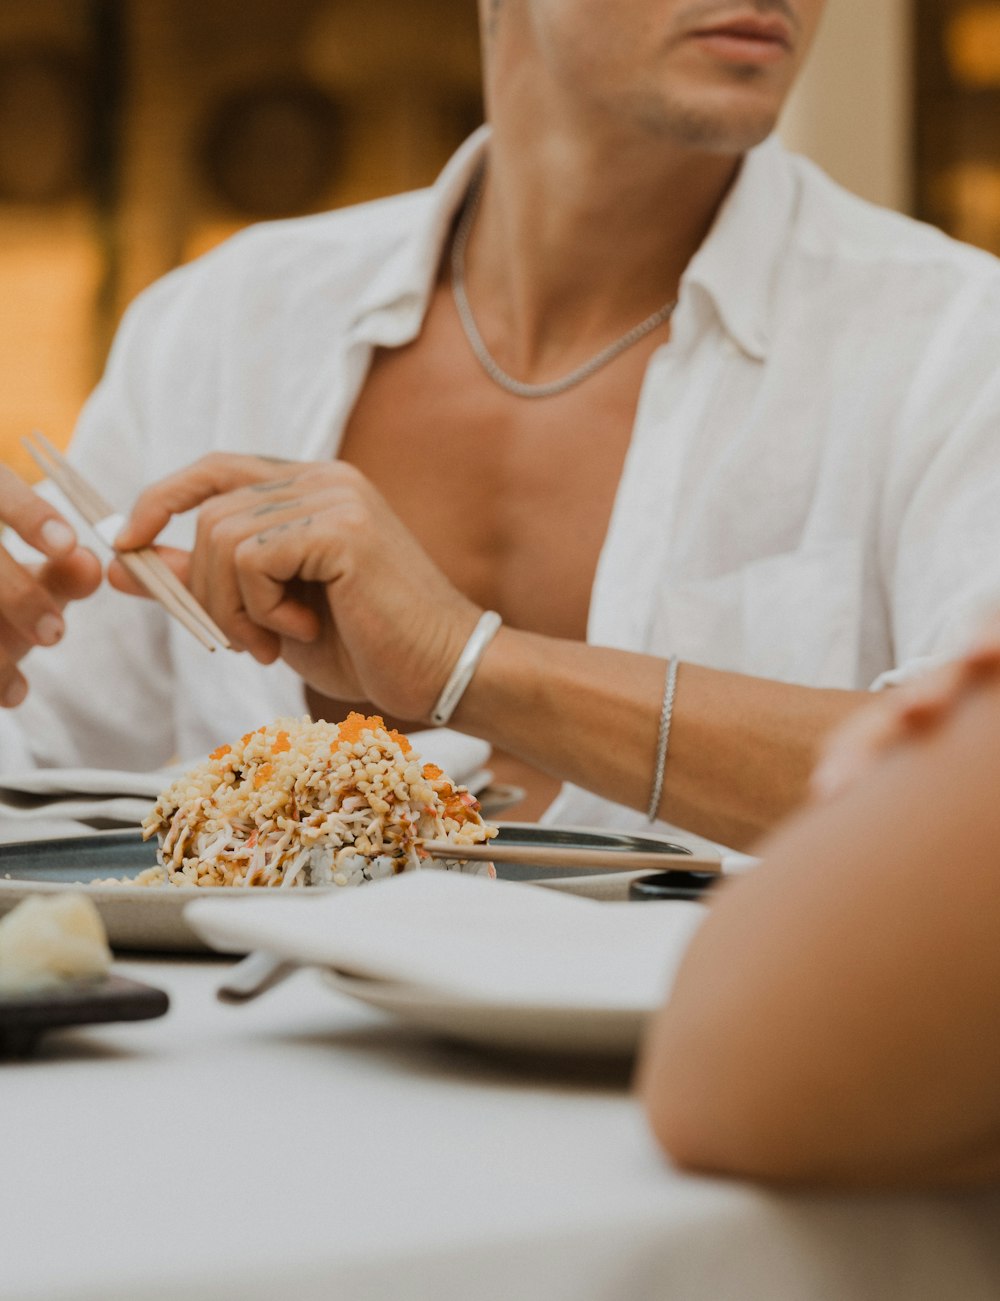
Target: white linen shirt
(811,492)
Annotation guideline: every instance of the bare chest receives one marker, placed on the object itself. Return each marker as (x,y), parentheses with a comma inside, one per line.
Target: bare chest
(510,496)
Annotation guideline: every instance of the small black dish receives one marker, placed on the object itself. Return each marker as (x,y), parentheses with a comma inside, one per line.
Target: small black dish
(673,885)
(25,1017)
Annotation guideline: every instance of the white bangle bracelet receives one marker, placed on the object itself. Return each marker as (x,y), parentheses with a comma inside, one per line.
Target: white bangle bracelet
(663,739)
(465,666)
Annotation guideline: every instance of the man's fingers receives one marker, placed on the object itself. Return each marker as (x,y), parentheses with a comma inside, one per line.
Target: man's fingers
(240,630)
(13,687)
(265,565)
(263,645)
(73,577)
(27,605)
(289,619)
(225,524)
(187,489)
(32,518)
(122,580)
(13,647)
(31,602)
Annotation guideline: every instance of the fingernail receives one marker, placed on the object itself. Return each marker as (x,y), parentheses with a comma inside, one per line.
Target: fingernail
(57,536)
(49,629)
(14,694)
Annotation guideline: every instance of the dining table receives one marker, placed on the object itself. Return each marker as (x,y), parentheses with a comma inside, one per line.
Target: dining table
(304,1146)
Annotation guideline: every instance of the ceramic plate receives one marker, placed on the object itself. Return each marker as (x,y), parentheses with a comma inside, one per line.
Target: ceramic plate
(150,919)
(536,1028)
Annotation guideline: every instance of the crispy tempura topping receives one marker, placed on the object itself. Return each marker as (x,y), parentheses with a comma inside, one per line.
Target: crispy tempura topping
(292,797)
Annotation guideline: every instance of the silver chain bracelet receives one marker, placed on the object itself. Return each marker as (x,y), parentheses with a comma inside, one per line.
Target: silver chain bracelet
(663,739)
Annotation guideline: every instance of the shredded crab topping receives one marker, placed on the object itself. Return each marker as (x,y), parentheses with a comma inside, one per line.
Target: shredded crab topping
(298,802)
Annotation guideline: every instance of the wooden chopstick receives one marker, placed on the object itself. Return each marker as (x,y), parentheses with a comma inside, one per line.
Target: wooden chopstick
(559,856)
(145,565)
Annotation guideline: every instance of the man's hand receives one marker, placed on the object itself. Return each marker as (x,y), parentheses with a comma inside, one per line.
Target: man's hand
(32,597)
(916,708)
(308,562)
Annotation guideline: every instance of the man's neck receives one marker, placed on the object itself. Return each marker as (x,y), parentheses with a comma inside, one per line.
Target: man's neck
(578,239)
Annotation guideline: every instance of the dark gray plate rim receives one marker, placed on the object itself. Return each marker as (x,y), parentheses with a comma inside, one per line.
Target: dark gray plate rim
(81,859)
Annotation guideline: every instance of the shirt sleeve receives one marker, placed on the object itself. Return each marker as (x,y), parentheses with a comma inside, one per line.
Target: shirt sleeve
(940,528)
(102,696)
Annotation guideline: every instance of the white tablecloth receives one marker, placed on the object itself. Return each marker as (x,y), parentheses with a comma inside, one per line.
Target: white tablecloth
(303,1147)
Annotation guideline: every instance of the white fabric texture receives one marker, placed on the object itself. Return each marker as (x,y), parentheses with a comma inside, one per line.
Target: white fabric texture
(304,1148)
(810,492)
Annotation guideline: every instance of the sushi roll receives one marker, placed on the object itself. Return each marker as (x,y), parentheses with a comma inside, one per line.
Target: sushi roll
(299,803)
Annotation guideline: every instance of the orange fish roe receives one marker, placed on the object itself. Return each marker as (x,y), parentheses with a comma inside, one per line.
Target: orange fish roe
(354,724)
(432,772)
(263,775)
(281,743)
(221,753)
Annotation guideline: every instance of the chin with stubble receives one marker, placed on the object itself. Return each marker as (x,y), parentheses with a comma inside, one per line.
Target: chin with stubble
(708,75)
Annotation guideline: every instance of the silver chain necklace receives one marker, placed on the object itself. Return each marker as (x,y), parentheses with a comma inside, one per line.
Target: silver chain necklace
(483,354)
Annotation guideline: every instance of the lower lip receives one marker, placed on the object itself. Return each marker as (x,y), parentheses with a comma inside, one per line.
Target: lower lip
(752,50)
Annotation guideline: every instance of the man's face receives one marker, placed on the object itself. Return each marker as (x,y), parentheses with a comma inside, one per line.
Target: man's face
(711,74)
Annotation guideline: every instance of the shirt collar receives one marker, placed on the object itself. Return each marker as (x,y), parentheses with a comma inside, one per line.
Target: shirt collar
(392,308)
(738,263)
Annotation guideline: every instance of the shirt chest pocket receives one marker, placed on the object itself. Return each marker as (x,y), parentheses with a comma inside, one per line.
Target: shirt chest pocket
(794,617)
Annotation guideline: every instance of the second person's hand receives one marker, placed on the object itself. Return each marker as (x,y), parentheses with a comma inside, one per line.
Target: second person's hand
(33,597)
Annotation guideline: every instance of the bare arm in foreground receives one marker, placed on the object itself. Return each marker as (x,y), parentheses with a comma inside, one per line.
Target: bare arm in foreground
(307,562)
(836,1019)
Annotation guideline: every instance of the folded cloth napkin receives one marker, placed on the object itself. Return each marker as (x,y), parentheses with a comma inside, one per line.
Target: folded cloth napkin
(73,801)
(496,942)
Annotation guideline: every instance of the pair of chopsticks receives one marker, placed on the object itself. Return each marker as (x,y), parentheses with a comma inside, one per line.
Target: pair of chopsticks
(558,856)
(145,565)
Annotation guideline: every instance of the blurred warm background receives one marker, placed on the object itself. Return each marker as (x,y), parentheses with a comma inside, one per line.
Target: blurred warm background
(135,134)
